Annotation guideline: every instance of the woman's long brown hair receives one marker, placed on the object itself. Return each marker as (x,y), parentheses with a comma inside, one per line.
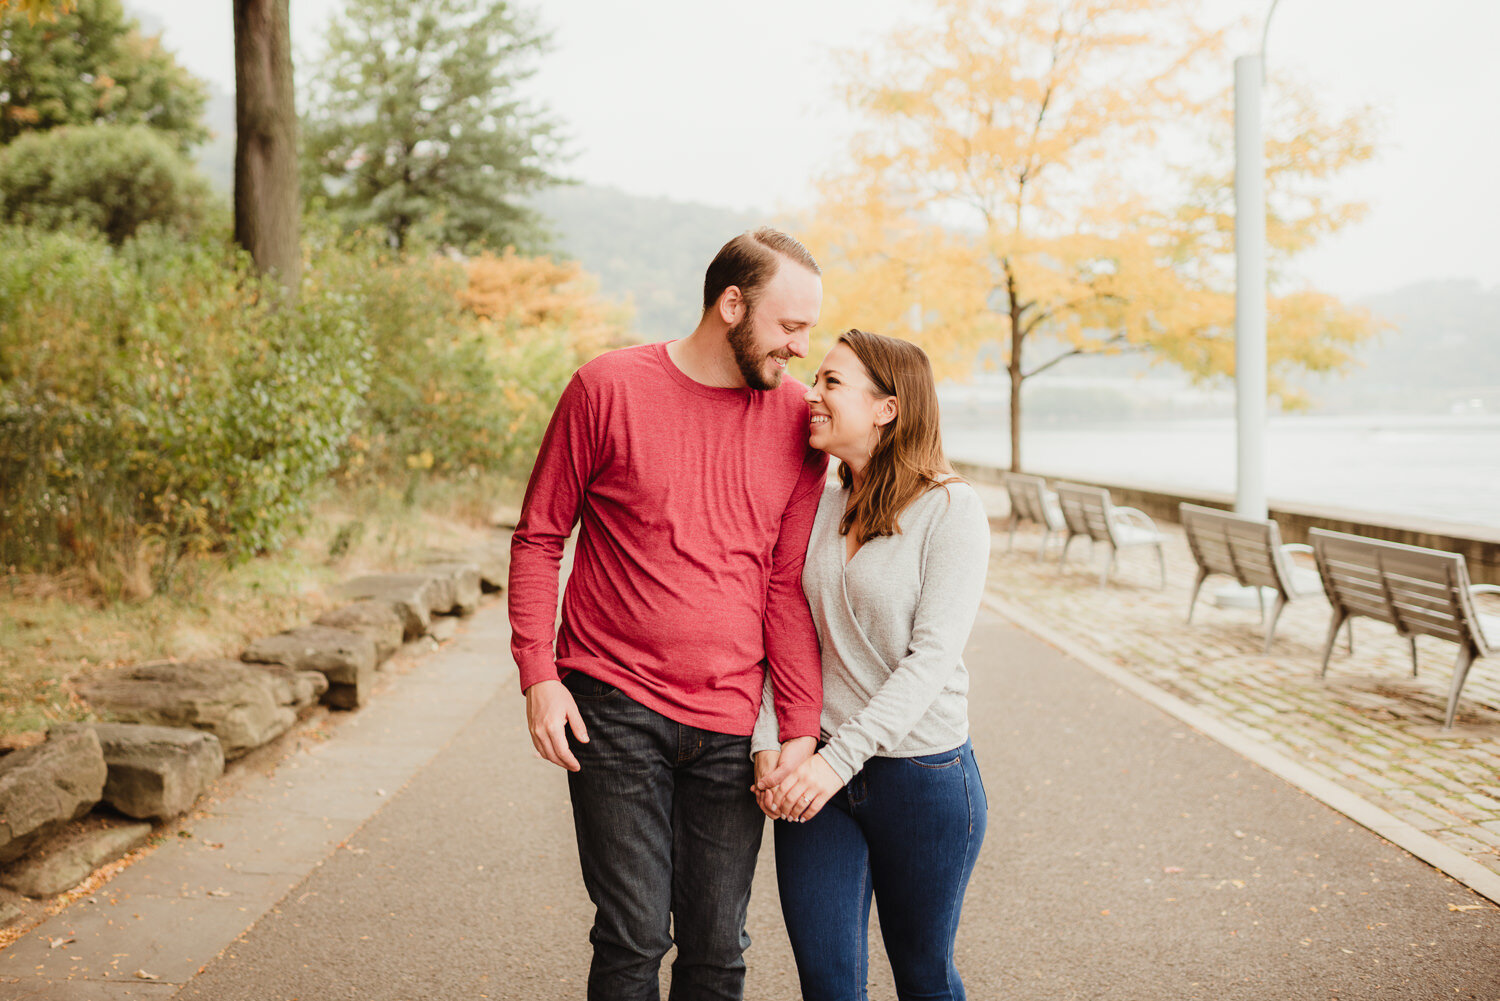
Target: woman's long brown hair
(908,459)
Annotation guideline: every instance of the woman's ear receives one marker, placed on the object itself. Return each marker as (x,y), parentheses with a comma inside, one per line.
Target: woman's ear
(885,411)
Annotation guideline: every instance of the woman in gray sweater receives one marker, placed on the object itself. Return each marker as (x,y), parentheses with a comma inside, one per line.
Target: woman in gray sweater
(891,806)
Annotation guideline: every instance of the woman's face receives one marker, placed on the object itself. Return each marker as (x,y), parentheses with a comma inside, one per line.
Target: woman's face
(847,410)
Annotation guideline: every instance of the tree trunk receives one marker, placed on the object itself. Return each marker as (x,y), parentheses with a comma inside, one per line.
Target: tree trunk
(1017,337)
(266,202)
(1015,404)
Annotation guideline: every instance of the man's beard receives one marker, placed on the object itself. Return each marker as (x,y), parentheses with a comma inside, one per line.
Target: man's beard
(752,369)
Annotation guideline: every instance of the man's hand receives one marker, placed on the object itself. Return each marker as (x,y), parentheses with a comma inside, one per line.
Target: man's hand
(793,753)
(550,710)
(765,763)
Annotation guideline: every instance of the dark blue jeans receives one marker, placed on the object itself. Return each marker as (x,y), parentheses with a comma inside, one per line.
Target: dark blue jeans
(668,831)
(905,831)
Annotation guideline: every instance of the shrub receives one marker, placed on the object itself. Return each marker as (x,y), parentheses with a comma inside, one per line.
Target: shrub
(541,319)
(150,397)
(111,178)
(155,402)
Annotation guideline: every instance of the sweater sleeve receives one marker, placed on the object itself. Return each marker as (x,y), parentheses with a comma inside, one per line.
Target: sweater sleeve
(791,642)
(764,736)
(552,505)
(955,561)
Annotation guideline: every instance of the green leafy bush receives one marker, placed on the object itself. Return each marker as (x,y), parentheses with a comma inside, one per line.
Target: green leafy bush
(111,178)
(156,402)
(151,399)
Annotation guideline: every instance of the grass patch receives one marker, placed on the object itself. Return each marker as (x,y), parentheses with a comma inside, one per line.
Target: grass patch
(54,627)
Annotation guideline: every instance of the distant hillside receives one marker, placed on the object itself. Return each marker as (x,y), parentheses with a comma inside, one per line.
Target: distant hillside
(653,250)
(1442,351)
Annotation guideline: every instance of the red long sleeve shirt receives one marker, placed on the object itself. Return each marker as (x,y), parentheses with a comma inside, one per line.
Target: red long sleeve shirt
(695,505)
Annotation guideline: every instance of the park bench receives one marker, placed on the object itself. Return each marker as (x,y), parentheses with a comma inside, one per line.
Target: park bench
(1030,500)
(1251,551)
(1421,592)
(1087,511)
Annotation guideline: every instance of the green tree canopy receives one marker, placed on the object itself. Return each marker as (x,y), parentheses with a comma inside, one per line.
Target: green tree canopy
(88,62)
(414,122)
(113,178)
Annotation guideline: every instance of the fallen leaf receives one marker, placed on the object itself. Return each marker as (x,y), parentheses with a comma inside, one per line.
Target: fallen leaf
(143,975)
(55,942)
(1172,868)
(219,893)
(1465,907)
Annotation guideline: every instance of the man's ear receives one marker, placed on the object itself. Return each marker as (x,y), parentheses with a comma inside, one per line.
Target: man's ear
(886,411)
(731,305)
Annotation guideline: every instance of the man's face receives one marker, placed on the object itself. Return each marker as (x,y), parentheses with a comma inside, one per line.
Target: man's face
(779,326)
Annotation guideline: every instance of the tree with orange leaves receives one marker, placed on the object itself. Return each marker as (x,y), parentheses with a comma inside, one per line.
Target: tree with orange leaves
(1016,186)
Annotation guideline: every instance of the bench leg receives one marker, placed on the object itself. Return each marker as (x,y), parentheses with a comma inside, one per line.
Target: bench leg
(1412,639)
(1260,599)
(1275,614)
(1063,559)
(1460,672)
(1011,541)
(1041,551)
(1161,565)
(1108,566)
(1351,636)
(1197,586)
(1333,635)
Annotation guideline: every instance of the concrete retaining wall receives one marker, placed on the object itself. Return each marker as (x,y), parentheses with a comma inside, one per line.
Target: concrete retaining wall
(1480,544)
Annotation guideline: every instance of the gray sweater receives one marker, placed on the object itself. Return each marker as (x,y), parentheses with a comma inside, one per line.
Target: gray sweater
(892,623)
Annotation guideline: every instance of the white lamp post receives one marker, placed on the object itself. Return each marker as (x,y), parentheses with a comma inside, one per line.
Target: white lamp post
(1249,301)
(1250,281)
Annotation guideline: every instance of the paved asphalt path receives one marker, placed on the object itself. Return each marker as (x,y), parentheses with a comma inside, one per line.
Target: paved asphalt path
(1127,857)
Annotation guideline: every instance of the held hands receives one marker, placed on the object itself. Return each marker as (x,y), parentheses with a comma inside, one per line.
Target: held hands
(550,710)
(795,785)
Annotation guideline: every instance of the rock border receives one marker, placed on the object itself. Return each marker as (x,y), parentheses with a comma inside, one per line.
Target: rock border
(93,792)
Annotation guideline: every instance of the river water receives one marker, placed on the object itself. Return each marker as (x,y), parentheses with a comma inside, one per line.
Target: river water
(1445,468)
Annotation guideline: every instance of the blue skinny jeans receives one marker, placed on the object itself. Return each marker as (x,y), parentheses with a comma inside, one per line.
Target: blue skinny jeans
(905,832)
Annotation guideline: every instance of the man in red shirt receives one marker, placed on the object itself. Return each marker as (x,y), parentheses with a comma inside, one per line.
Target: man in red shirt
(687,469)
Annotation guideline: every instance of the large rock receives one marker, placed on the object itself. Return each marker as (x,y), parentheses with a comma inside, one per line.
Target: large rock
(411,595)
(298,689)
(243,705)
(340,655)
(461,595)
(155,771)
(46,786)
(345,658)
(64,865)
(378,620)
(493,562)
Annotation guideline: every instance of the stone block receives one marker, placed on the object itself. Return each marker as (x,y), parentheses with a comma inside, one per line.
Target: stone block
(411,595)
(244,705)
(66,863)
(459,583)
(45,787)
(156,771)
(378,620)
(340,655)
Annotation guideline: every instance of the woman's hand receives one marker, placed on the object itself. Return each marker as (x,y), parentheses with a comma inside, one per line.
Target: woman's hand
(802,793)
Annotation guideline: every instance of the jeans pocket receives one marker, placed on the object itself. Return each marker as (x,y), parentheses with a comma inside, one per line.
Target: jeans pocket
(584,687)
(942,759)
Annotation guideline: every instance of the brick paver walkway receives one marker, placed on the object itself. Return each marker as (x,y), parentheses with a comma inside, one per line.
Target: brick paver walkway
(1371,728)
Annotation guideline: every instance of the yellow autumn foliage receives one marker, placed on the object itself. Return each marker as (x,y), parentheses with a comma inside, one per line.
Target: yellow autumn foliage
(1015,187)
(552,298)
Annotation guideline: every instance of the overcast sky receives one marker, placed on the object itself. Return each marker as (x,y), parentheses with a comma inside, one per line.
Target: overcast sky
(737,105)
